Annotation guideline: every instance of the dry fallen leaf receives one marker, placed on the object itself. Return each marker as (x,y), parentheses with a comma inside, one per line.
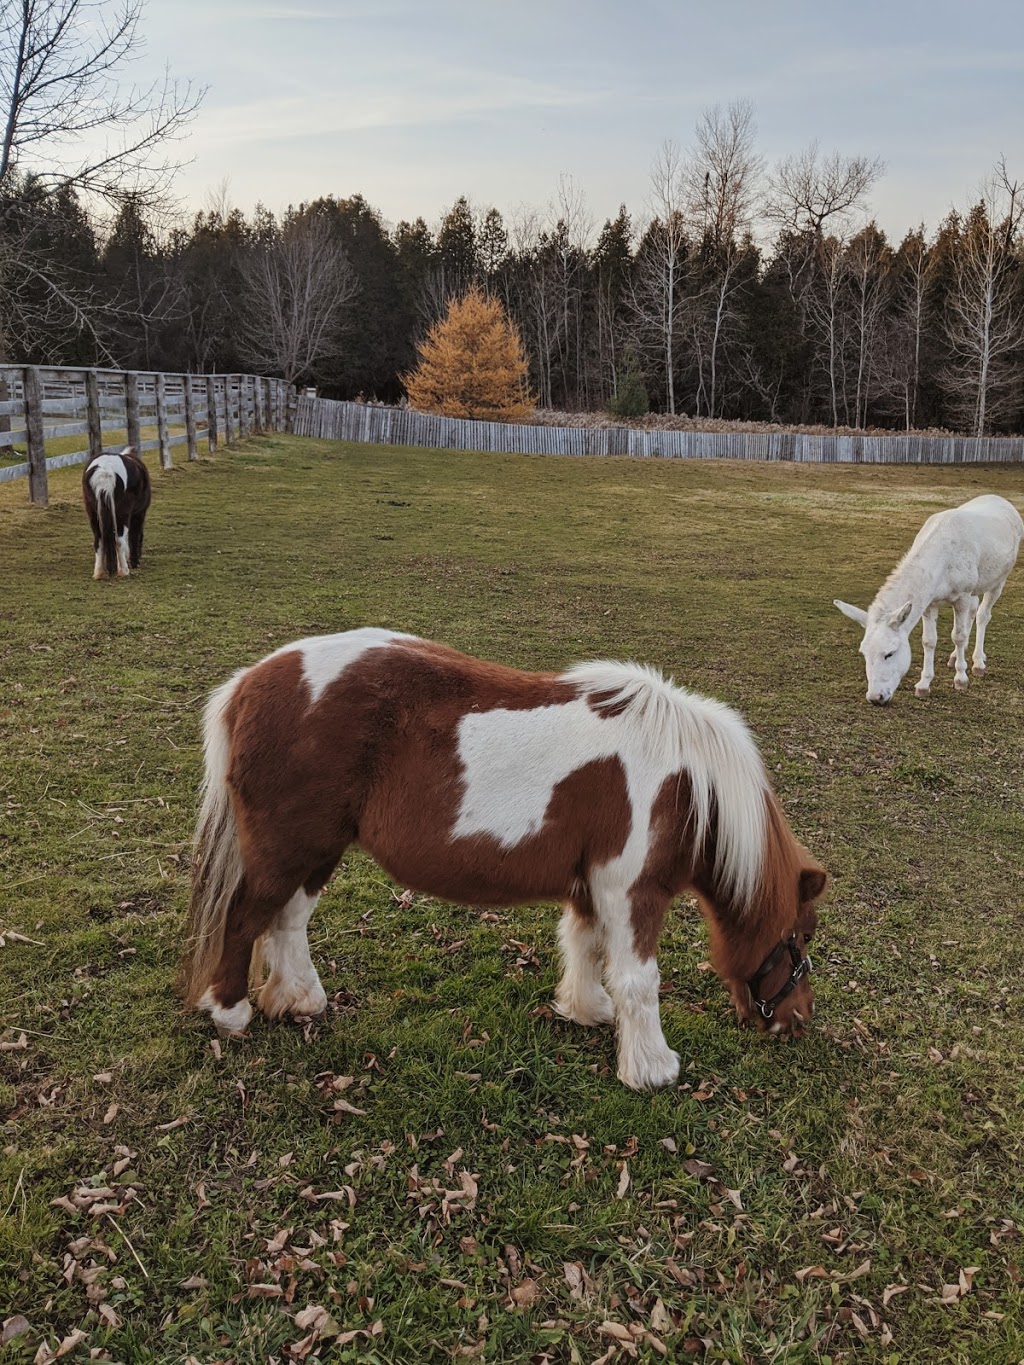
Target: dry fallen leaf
(525,1293)
(14,1327)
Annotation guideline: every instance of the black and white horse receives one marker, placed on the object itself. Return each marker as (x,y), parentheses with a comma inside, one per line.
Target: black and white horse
(116,493)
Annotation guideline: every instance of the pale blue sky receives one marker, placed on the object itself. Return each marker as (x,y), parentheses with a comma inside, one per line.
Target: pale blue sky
(413,103)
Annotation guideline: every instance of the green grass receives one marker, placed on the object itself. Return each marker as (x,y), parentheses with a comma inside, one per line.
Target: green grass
(882,1150)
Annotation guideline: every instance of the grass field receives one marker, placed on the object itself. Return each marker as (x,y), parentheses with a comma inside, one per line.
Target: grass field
(438,1169)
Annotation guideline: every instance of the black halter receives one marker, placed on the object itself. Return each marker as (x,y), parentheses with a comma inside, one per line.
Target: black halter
(801,965)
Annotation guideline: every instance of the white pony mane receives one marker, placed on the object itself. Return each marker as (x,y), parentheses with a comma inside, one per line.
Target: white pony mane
(679,729)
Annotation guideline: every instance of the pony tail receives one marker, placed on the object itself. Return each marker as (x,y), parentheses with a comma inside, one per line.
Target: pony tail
(104,483)
(217,861)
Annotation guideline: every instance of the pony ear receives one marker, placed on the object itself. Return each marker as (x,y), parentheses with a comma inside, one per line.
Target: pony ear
(854,613)
(813,881)
(898,617)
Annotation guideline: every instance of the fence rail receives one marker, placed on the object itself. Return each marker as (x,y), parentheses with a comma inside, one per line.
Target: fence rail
(46,403)
(398,426)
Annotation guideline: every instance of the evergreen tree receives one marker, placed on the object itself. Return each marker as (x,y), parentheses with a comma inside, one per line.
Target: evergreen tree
(472,364)
(630,397)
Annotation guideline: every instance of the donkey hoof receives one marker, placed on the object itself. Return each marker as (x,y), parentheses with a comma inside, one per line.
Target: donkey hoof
(922,691)
(961,684)
(978,670)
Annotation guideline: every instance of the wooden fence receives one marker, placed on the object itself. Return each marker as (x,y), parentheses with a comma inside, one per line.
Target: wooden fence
(398,426)
(40,404)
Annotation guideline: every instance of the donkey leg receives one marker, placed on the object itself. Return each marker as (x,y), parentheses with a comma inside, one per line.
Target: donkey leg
(645,1060)
(963,615)
(979,661)
(580,995)
(293,986)
(929,637)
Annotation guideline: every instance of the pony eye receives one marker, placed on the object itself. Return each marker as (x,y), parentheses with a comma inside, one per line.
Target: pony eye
(889,655)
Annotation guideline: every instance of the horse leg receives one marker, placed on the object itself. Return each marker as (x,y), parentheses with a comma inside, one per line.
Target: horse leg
(963,616)
(580,995)
(929,637)
(978,659)
(293,986)
(631,922)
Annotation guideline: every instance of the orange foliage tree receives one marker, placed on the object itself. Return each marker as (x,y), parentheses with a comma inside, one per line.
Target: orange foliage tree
(472,364)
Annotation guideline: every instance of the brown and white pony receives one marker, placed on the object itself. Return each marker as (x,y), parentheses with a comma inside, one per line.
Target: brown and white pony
(116,492)
(605,787)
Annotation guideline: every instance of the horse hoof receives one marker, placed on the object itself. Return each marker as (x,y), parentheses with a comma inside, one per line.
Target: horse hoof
(960,684)
(978,670)
(920,691)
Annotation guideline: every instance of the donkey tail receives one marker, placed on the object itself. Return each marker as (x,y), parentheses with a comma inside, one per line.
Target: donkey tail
(103,482)
(217,861)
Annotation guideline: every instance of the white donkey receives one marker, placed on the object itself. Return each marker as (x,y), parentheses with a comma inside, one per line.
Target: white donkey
(956,556)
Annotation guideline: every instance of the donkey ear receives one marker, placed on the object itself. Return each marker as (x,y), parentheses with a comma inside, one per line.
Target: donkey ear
(854,613)
(898,617)
(813,881)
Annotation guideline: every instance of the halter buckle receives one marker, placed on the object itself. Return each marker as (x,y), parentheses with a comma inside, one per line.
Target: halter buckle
(801,967)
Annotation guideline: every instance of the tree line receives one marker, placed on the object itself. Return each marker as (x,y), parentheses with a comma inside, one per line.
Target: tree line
(742,291)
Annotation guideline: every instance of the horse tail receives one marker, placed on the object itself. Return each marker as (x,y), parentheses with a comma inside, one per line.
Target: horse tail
(103,482)
(217,868)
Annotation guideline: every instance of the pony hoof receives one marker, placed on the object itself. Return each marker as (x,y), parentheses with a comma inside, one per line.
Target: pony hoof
(961,684)
(654,1073)
(230,1021)
(978,670)
(599,1010)
(920,691)
(278,998)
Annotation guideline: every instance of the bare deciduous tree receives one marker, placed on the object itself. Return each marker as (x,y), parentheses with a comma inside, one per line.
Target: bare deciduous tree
(722,184)
(985,311)
(661,261)
(67,120)
(722,174)
(806,191)
(295,290)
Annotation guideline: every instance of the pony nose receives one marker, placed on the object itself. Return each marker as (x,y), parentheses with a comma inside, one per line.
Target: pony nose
(879,698)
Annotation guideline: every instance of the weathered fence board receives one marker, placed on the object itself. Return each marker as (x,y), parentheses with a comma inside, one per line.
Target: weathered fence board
(322,417)
(89,402)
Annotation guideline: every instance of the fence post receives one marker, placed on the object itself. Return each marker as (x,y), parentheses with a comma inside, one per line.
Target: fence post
(133,423)
(257,406)
(161,420)
(93,414)
(38,492)
(190,417)
(243,408)
(290,406)
(211,413)
(229,434)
